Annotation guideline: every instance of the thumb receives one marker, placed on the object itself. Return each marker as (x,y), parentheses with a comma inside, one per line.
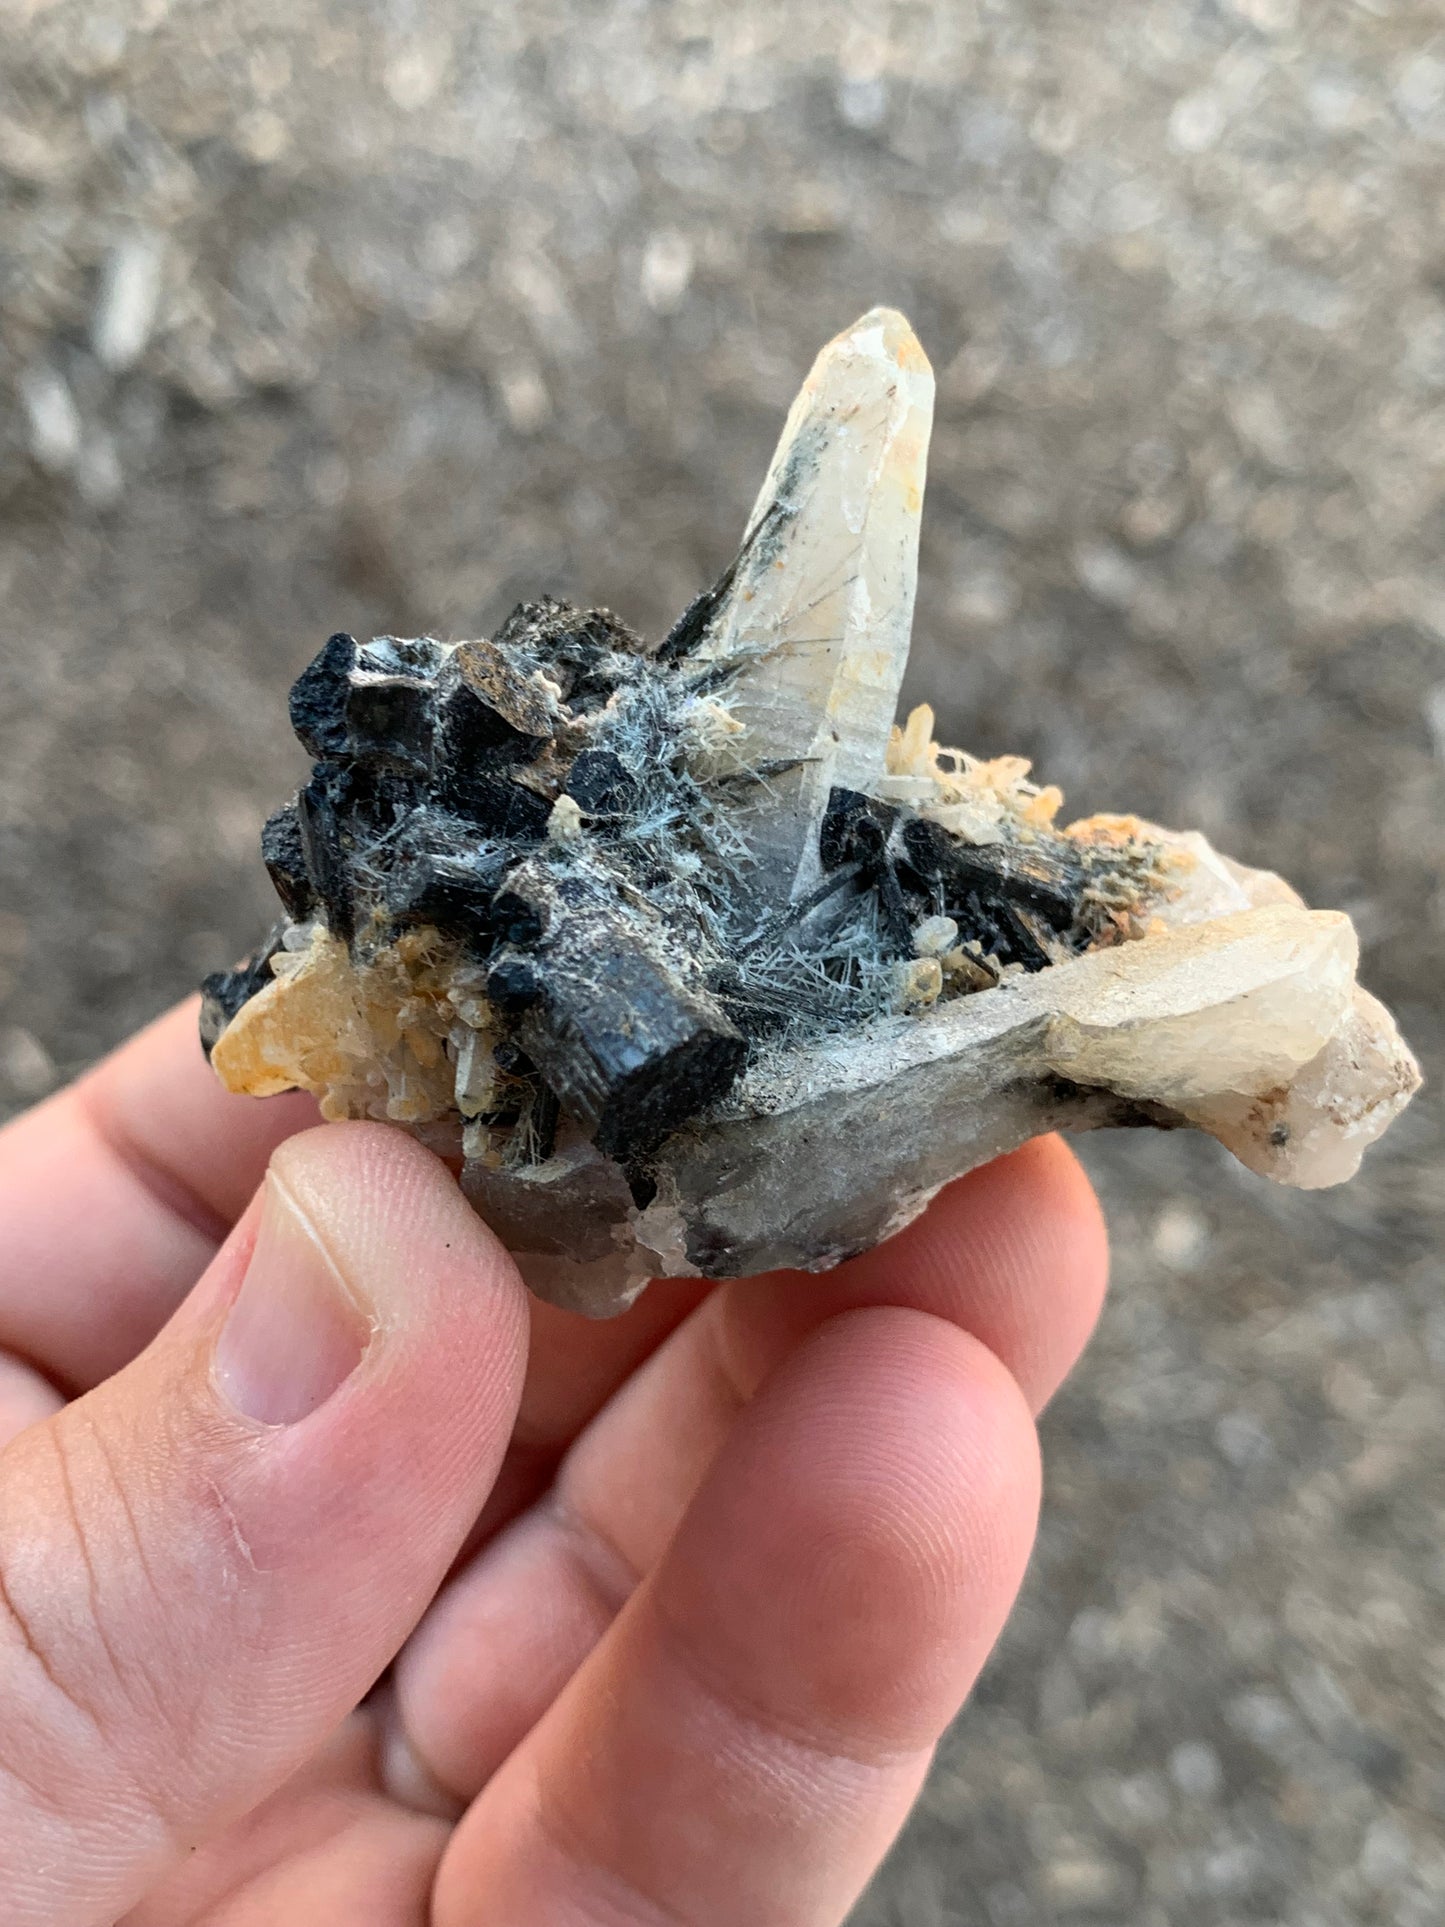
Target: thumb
(205,1562)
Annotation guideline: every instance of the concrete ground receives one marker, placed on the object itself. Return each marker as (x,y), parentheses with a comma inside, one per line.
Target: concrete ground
(317,315)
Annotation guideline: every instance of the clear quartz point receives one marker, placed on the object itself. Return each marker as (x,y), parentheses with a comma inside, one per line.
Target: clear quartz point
(820,609)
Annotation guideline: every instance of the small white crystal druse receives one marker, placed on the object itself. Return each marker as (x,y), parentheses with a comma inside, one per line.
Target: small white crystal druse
(693,963)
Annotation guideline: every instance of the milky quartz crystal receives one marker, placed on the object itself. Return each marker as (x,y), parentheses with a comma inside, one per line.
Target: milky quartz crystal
(691,961)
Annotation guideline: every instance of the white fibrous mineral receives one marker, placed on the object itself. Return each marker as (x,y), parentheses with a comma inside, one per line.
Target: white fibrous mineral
(692,962)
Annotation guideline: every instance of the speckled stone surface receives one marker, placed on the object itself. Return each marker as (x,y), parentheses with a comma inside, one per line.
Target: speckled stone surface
(320,316)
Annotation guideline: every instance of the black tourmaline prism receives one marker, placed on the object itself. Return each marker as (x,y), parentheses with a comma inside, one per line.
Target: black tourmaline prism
(532,802)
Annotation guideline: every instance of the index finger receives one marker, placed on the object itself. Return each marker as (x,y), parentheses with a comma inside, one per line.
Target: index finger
(115,1194)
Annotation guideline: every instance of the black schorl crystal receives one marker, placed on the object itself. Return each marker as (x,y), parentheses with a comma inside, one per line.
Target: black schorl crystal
(629,1046)
(534,800)
(225,991)
(1010,901)
(600,784)
(284,854)
(439,881)
(318,699)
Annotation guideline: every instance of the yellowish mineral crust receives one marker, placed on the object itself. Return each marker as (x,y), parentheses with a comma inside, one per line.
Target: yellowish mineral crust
(391,1035)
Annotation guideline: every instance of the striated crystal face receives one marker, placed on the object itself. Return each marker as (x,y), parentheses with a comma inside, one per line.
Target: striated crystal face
(692,961)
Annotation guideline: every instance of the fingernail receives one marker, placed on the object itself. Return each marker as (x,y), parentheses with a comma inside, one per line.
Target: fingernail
(296,1331)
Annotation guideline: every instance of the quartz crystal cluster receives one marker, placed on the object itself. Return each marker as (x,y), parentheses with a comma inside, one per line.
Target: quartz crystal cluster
(691,961)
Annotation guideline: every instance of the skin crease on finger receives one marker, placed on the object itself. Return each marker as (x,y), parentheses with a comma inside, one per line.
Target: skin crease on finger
(25,1398)
(328,1850)
(1015,1254)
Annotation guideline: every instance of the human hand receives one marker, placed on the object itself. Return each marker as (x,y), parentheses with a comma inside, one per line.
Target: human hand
(678,1605)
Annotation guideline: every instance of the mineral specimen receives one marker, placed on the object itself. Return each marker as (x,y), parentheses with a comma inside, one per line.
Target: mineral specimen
(692,962)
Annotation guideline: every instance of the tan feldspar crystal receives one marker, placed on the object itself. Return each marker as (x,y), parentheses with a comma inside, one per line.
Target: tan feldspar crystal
(370,1040)
(694,963)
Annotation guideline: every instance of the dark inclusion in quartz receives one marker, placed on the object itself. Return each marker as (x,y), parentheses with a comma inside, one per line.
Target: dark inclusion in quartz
(534,800)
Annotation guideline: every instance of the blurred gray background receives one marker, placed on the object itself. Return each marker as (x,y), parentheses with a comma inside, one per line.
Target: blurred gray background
(317,315)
